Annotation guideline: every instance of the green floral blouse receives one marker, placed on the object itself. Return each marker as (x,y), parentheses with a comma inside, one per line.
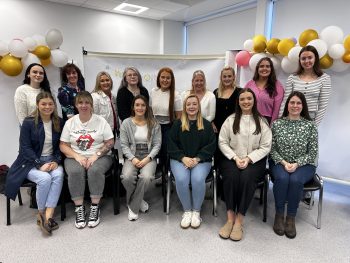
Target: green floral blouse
(295,141)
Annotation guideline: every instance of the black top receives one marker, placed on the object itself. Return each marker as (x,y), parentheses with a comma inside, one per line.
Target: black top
(124,101)
(224,107)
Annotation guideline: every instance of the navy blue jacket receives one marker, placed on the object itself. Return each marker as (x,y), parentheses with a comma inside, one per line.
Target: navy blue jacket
(31,144)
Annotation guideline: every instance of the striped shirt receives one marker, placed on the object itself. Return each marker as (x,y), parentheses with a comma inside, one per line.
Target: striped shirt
(317,93)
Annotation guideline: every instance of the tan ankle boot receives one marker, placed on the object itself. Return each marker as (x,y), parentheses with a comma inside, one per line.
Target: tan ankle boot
(225,231)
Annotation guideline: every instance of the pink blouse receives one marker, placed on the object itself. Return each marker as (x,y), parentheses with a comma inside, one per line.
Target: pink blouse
(267,106)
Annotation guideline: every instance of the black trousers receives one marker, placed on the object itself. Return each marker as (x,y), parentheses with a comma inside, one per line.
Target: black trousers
(239,185)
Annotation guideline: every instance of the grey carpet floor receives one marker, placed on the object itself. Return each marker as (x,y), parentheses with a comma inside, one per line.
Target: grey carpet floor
(156,237)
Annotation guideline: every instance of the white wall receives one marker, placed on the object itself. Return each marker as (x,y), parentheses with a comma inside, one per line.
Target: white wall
(291,19)
(172,37)
(217,35)
(95,30)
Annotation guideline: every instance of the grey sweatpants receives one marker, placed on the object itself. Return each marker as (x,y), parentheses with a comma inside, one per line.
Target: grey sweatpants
(95,175)
(136,182)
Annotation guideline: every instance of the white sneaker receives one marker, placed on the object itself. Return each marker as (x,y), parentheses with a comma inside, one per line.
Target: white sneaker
(144,206)
(94,217)
(186,219)
(132,216)
(196,219)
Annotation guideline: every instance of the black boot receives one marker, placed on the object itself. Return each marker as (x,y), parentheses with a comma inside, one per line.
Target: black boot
(289,228)
(278,225)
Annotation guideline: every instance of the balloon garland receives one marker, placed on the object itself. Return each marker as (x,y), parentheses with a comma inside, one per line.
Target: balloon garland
(331,45)
(20,53)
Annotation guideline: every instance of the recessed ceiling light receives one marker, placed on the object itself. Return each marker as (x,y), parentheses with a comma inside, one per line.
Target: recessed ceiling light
(131,9)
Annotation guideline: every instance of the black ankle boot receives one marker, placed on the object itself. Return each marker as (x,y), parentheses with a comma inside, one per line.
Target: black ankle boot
(289,228)
(278,225)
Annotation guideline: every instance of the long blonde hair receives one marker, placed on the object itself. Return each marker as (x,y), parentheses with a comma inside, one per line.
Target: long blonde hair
(54,116)
(98,77)
(221,86)
(185,126)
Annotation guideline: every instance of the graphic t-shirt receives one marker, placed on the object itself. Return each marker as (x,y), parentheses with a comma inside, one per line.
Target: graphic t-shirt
(86,138)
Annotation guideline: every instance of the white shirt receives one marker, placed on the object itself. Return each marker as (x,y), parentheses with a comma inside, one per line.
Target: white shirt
(25,101)
(86,138)
(208,104)
(47,148)
(103,107)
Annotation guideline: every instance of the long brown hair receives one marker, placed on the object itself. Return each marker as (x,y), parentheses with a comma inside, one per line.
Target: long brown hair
(185,126)
(54,116)
(317,67)
(150,120)
(238,114)
(221,86)
(171,90)
(271,80)
(304,112)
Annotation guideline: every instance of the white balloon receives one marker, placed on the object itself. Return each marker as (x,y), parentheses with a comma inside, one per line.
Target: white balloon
(3,48)
(54,38)
(30,43)
(17,48)
(58,58)
(320,45)
(332,35)
(336,51)
(255,59)
(276,63)
(40,40)
(339,65)
(293,54)
(248,45)
(29,59)
(289,66)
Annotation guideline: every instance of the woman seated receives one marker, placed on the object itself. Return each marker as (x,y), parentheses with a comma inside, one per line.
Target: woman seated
(245,140)
(140,140)
(294,154)
(104,100)
(38,160)
(86,140)
(191,146)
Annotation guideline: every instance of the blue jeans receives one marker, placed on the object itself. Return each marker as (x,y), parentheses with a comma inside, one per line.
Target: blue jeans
(288,187)
(48,184)
(196,176)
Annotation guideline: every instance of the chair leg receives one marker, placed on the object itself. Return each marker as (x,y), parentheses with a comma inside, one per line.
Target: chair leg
(8,210)
(320,198)
(116,191)
(168,193)
(19,197)
(214,194)
(164,192)
(265,190)
(311,201)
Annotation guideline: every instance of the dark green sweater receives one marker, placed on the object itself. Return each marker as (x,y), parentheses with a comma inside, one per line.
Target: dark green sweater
(193,143)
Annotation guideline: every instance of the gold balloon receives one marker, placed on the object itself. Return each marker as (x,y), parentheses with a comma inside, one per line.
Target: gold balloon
(306,36)
(259,38)
(326,61)
(347,43)
(42,52)
(285,45)
(11,66)
(346,57)
(259,46)
(272,45)
(45,62)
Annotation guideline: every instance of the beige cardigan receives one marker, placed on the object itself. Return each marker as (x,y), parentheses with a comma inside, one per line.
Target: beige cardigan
(245,143)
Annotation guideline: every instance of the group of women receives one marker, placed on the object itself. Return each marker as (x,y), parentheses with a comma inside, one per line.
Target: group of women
(230,124)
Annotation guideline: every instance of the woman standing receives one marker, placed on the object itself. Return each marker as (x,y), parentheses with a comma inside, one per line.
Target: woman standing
(166,105)
(191,147)
(130,87)
(39,160)
(245,140)
(268,90)
(294,154)
(140,139)
(35,81)
(312,82)
(73,82)
(206,97)
(104,101)
(86,141)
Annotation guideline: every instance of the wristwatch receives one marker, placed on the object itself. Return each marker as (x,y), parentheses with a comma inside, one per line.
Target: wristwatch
(99,154)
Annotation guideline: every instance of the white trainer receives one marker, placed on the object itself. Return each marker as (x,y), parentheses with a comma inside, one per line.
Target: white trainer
(196,219)
(144,206)
(132,216)
(186,219)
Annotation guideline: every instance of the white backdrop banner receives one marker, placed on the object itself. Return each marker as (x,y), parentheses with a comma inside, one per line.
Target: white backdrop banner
(149,65)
